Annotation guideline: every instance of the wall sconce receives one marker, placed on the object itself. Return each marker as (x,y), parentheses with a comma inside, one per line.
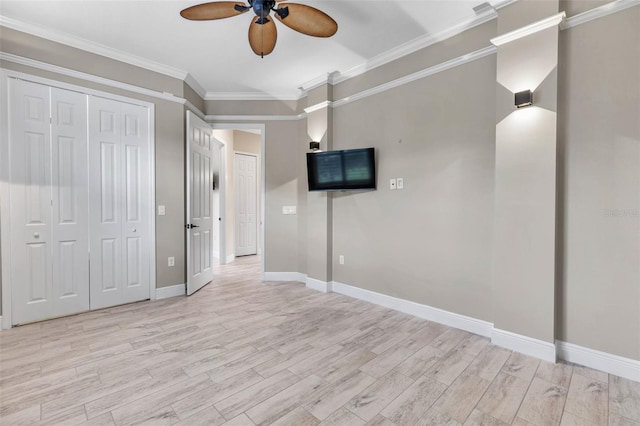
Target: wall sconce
(314,146)
(524,98)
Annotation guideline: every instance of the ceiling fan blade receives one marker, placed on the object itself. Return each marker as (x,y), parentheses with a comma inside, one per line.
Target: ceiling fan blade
(306,20)
(262,37)
(214,10)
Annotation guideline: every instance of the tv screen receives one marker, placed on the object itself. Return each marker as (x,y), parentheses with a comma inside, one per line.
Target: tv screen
(350,169)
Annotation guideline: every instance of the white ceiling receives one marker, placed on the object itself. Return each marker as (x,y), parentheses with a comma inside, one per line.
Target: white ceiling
(217,53)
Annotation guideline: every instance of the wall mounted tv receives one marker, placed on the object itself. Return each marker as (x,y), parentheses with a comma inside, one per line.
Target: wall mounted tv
(347,170)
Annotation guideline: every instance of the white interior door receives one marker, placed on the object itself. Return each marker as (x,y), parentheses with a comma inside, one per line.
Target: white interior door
(120,202)
(199,203)
(49,234)
(70,207)
(246,190)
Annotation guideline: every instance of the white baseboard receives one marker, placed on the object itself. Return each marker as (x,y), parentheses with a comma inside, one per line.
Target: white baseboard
(318,285)
(612,364)
(430,313)
(523,344)
(285,276)
(171,291)
(231,258)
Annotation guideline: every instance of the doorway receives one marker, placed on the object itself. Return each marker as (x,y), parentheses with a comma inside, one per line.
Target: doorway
(249,140)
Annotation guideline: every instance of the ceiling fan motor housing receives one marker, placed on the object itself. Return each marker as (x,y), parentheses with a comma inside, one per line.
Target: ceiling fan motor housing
(262,9)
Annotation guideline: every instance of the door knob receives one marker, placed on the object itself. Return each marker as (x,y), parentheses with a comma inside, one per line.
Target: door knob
(134,230)
(36,235)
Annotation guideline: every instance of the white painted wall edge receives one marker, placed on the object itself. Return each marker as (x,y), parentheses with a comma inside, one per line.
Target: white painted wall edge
(171,291)
(462,322)
(523,344)
(609,363)
(318,285)
(230,258)
(612,364)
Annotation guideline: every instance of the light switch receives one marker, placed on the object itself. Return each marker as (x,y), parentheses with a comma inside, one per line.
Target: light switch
(400,183)
(161,211)
(289,210)
(392,184)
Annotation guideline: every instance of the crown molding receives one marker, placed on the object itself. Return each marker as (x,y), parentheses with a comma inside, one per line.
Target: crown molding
(227,118)
(193,83)
(250,96)
(499,4)
(460,60)
(598,12)
(413,46)
(527,30)
(318,106)
(92,47)
(327,78)
(89,77)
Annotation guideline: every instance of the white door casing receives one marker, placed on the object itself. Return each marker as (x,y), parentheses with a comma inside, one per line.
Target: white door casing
(119,202)
(199,178)
(49,234)
(246,203)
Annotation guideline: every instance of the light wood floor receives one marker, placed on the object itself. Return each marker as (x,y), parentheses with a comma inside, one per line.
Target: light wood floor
(242,352)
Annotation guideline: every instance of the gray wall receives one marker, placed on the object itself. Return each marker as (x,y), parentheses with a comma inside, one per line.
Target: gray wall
(429,242)
(284,147)
(599,131)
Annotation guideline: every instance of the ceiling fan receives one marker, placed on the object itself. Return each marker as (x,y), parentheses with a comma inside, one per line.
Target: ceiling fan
(262,31)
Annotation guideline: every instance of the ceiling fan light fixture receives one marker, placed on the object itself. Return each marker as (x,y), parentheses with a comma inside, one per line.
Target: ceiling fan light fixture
(299,17)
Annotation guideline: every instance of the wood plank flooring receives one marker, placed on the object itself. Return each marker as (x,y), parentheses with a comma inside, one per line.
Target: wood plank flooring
(242,352)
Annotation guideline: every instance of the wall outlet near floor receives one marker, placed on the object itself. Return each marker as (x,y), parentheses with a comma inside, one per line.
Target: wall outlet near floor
(392,184)
(400,183)
(171,261)
(341,259)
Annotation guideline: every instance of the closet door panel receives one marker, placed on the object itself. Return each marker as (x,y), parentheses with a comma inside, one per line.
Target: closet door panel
(105,189)
(119,217)
(30,194)
(70,222)
(136,200)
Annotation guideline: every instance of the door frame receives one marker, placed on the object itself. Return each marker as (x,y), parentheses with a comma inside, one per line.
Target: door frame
(5,201)
(222,200)
(261,127)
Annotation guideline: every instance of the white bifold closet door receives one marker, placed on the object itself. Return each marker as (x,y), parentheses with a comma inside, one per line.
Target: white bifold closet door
(119,202)
(48,193)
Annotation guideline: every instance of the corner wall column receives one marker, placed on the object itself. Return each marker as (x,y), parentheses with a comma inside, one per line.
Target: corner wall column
(524,233)
(320,204)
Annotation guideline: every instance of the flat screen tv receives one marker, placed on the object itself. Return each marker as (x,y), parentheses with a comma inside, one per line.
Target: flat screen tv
(346,170)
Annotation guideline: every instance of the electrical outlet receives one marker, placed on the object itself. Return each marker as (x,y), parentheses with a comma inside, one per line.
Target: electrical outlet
(171,261)
(400,183)
(161,211)
(392,184)
(341,259)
